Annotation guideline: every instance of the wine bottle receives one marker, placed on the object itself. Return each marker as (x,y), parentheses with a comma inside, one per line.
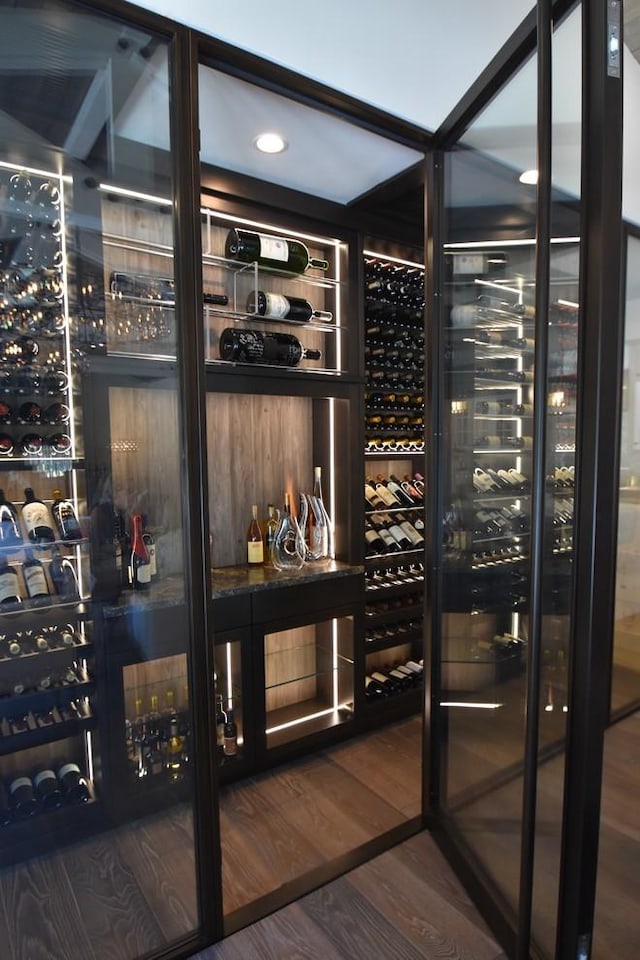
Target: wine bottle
(34,577)
(221,719)
(275,306)
(65,518)
(36,518)
(139,561)
(320,527)
(175,750)
(48,790)
(9,584)
(230,736)
(374,544)
(6,814)
(74,787)
(10,535)
(270,531)
(374,689)
(254,346)
(150,544)
(288,545)
(255,543)
(272,252)
(63,577)
(22,797)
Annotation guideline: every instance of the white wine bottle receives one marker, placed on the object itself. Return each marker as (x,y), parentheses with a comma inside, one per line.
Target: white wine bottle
(275,306)
(255,542)
(272,252)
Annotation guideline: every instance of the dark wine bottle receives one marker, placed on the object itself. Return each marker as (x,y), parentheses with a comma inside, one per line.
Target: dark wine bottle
(48,790)
(272,252)
(253,346)
(139,560)
(65,518)
(230,736)
(36,518)
(63,576)
(275,306)
(74,786)
(10,535)
(22,797)
(34,577)
(9,585)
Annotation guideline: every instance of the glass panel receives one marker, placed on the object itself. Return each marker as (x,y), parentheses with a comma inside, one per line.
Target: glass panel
(563,329)
(489,335)
(96,773)
(616,925)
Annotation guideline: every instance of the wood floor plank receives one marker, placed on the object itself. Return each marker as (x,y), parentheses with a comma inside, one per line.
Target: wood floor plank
(354,926)
(165,872)
(289,934)
(43,921)
(423,915)
(118,919)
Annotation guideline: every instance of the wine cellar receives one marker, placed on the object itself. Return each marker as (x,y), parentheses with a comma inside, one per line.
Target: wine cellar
(291,527)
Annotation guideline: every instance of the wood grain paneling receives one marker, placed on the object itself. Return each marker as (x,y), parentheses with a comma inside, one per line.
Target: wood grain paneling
(145,457)
(258,447)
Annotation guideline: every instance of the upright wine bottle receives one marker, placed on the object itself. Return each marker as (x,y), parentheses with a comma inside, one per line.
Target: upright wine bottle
(63,577)
(150,544)
(139,560)
(255,542)
(275,306)
(10,535)
(65,518)
(36,518)
(272,252)
(270,531)
(254,346)
(230,736)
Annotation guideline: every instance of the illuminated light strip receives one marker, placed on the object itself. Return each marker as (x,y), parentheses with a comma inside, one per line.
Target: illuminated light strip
(211,212)
(482,244)
(229,679)
(472,706)
(334,655)
(89,748)
(569,303)
(383,256)
(38,173)
(134,194)
(498,286)
(311,716)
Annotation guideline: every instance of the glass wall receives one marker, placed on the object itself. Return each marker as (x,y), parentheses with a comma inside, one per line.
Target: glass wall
(96,762)
(490,331)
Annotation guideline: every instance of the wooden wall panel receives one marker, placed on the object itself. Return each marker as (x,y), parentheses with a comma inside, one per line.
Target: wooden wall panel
(258,447)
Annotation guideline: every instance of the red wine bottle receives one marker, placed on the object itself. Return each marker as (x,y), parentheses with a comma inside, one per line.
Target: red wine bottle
(10,535)
(275,306)
(139,560)
(254,346)
(272,252)
(36,518)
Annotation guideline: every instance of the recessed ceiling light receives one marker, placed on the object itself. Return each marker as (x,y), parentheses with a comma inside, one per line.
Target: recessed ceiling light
(529,176)
(270,143)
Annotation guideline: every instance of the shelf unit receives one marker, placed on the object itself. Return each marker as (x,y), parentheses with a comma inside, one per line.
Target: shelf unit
(395,536)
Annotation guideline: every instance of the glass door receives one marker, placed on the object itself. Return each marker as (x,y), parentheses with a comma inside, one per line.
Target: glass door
(97,759)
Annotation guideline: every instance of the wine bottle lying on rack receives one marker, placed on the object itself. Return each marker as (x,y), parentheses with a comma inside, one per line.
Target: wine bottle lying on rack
(276,253)
(275,306)
(254,346)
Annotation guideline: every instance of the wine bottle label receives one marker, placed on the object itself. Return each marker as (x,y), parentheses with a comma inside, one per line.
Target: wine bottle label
(255,552)
(273,248)
(277,306)
(230,746)
(8,585)
(35,580)
(143,573)
(35,515)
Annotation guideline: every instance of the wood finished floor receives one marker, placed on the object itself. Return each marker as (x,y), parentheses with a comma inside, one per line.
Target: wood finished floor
(404,904)
(287,822)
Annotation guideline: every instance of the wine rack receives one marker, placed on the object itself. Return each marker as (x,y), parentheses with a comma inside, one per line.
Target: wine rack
(315,332)
(47,667)
(394,487)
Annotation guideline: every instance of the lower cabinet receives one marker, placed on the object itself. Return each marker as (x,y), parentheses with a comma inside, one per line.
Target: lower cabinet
(285,665)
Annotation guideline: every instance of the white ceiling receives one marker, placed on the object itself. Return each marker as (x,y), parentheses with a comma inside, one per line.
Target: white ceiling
(412,58)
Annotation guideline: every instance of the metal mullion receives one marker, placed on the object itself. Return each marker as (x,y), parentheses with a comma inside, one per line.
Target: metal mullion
(538,496)
(190,337)
(434,391)
(598,419)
